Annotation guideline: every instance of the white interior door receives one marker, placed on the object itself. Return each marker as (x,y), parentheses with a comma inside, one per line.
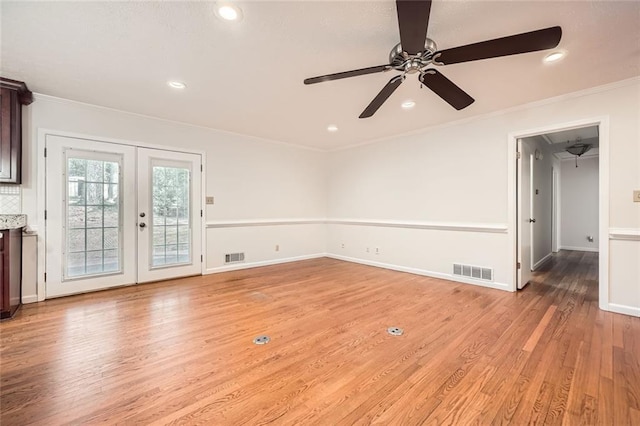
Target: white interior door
(169,215)
(525,213)
(118,215)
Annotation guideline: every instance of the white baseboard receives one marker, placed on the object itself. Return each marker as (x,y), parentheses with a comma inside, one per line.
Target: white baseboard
(424,272)
(624,309)
(33,298)
(238,266)
(591,249)
(542,261)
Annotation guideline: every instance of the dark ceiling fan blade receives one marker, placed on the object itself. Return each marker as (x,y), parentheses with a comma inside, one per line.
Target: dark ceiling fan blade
(386,91)
(446,89)
(413,19)
(533,41)
(347,74)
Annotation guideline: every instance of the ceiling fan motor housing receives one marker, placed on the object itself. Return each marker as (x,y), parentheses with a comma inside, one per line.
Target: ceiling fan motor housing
(410,64)
(416,52)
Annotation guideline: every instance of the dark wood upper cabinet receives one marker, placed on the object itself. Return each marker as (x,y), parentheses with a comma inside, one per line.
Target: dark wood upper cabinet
(13,94)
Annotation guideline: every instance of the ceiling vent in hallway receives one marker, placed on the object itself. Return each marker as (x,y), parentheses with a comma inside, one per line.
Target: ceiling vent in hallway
(476,272)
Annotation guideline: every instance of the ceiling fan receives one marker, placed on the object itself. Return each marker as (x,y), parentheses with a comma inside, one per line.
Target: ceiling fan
(416,52)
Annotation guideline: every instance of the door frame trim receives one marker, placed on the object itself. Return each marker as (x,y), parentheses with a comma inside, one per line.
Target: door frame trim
(41,191)
(603,203)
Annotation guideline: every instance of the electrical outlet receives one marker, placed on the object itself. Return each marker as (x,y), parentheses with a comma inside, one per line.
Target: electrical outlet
(277,247)
(209,200)
(367,249)
(377,250)
(636,196)
(342,245)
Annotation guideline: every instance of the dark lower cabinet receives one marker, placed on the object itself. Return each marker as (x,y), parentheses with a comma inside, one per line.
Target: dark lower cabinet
(11,271)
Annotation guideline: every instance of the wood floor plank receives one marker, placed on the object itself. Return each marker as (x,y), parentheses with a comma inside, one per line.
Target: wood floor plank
(181,351)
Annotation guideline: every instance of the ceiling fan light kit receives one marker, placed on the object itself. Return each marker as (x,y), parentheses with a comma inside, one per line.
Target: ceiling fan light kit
(418,54)
(578,148)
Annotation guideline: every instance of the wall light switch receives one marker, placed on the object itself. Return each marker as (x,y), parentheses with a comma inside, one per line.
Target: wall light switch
(636,196)
(209,200)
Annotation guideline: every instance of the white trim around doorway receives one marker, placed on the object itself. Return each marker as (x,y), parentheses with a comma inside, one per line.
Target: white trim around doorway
(603,204)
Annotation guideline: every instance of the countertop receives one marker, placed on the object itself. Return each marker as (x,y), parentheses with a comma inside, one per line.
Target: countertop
(12,221)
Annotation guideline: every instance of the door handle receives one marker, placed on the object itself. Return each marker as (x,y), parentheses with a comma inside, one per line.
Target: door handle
(142,225)
(532,221)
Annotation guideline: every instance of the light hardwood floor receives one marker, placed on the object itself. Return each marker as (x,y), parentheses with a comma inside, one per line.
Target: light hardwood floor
(181,351)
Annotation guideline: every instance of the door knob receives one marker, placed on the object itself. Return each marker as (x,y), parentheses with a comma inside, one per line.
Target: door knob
(532,221)
(142,225)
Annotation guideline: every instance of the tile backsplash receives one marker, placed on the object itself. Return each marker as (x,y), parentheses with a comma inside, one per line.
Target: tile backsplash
(10,199)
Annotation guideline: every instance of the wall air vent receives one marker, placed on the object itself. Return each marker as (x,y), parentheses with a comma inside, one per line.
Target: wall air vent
(234,257)
(475,272)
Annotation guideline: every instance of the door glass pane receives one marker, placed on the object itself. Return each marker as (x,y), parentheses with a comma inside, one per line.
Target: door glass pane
(93,231)
(171,226)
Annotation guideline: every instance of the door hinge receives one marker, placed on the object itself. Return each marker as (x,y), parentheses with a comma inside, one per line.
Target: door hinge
(200,213)
(518,155)
(201,168)
(45,215)
(201,258)
(518,266)
(45,152)
(45,277)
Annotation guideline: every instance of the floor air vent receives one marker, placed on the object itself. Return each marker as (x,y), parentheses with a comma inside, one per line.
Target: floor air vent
(233,257)
(477,272)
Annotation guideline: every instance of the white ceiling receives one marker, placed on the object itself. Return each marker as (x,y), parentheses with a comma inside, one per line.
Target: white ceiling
(246,77)
(559,141)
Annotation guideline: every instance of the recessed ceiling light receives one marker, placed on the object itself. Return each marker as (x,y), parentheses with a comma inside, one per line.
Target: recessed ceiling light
(228,12)
(176,84)
(408,104)
(554,56)
(332,128)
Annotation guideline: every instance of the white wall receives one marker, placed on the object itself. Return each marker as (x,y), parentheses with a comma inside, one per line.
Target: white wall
(251,179)
(437,196)
(425,200)
(579,204)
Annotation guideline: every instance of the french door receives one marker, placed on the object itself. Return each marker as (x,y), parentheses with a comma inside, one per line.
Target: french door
(168,207)
(119,215)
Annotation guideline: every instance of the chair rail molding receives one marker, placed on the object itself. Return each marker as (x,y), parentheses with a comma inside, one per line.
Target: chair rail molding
(499,228)
(629,234)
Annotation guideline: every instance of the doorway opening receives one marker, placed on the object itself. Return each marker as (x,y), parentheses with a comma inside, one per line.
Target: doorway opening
(558,202)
